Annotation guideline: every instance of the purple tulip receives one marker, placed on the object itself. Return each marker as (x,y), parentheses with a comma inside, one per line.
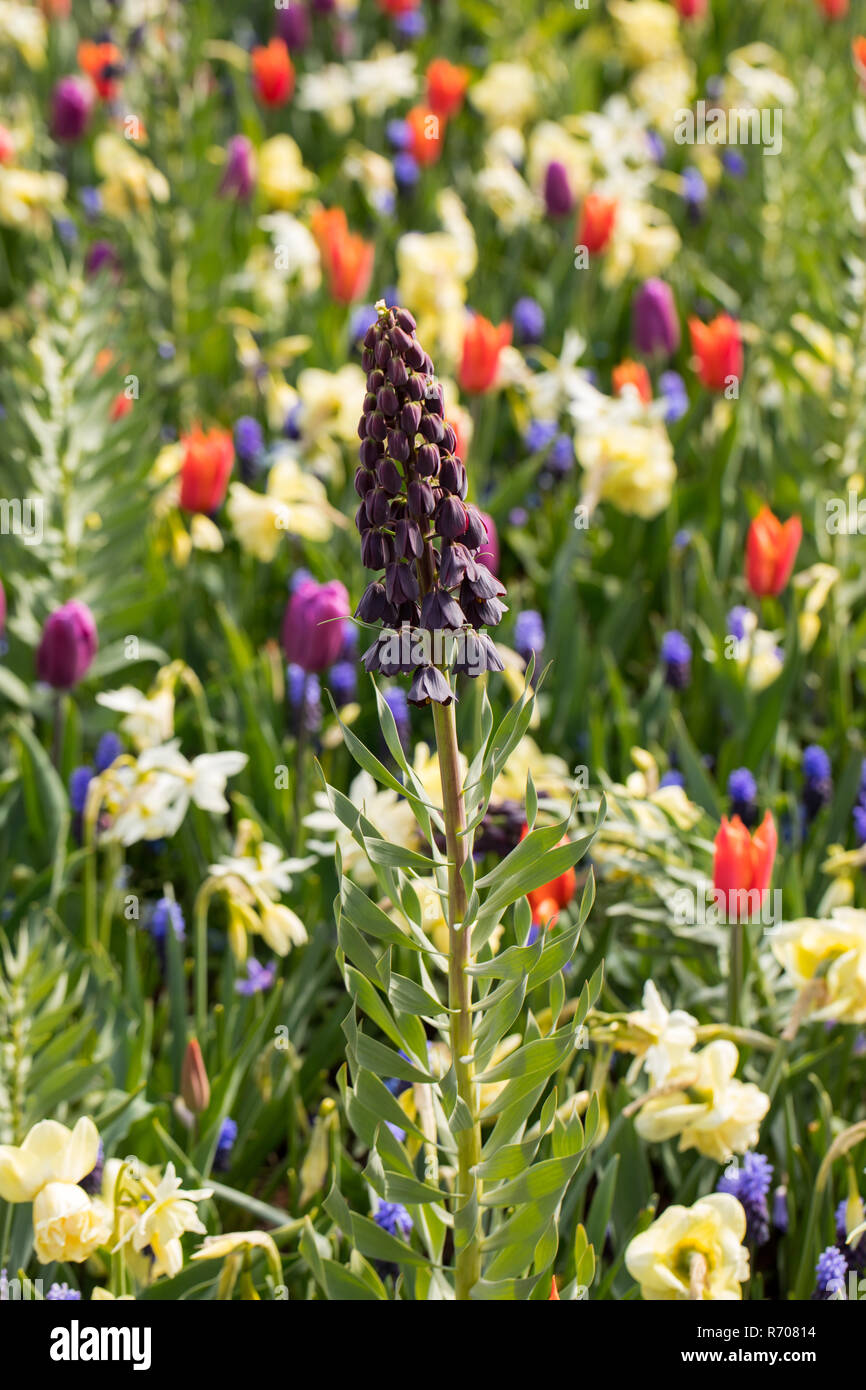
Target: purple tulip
(68,645)
(71,105)
(488,554)
(558,196)
(101,256)
(293,26)
(655,326)
(313,624)
(239,175)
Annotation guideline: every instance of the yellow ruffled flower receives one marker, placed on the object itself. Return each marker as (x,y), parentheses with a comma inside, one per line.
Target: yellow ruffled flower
(629,463)
(283,178)
(29,199)
(713,1112)
(827,958)
(46,1170)
(67,1223)
(694,1252)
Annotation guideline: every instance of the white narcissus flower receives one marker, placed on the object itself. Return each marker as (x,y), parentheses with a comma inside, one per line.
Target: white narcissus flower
(264,868)
(506,94)
(281,928)
(389,813)
(713,1112)
(148,799)
(218,1247)
(674,1034)
(383,79)
(149,719)
(828,958)
(694,1252)
(169,1214)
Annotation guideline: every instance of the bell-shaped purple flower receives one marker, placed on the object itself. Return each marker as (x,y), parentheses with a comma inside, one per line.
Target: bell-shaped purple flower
(313,624)
(68,646)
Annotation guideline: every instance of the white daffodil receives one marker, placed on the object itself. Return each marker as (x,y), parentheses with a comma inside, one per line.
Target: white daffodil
(149,719)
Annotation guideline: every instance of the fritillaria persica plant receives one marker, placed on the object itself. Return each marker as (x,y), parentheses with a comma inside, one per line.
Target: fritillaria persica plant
(483,1155)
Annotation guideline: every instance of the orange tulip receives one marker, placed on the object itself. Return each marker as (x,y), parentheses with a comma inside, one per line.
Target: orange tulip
(771,549)
(719,350)
(858,50)
(482,346)
(554,1291)
(273,73)
(596,222)
(120,406)
(743,864)
(634,374)
(446,87)
(548,901)
(427,131)
(103,63)
(204,473)
(347,259)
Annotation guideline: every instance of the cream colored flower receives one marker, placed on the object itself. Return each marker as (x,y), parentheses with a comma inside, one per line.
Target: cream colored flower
(29,199)
(23,27)
(256,521)
(329,92)
(389,813)
(170,1212)
(280,926)
(828,958)
(647,30)
(219,1247)
(628,460)
(283,178)
(49,1153)
(131,180)
(149,719)
(296,257)
(506,94)
(713,1112)
(383,79)
(694,1252)
(67,1223)
(433,270)
(670,1036)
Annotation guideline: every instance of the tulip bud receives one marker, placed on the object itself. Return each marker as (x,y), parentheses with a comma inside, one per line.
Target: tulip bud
(194,1085)
(558,197)
(68,646)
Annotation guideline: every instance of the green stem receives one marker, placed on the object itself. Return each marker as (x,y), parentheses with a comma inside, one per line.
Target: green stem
(735,973)
(200,910)
(467,1241)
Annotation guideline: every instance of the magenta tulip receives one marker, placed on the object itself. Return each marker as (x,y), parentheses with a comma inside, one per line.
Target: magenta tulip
(68,645)
(313,624)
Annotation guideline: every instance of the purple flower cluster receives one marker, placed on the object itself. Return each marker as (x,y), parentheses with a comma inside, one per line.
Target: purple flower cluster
(415,523)
(750,1183)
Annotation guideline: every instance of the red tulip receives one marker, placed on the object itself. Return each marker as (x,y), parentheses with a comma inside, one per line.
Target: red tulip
(690,9)
(446,87)
(427,131)
(204,473)
(743,863)
(120,406)
(273,73)
(348,259)
(596,222)
(398,7)
(719,350)
(7,146)
(482,346)
(858,52)
(634,374)
(771,549)
(103,63)
(833,9)
(554,1291)
(548,901)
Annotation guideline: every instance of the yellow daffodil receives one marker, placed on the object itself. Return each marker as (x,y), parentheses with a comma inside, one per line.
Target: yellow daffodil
(170,1212)
(46,1170)
(694,1252)
(710,1109)
(827,958)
